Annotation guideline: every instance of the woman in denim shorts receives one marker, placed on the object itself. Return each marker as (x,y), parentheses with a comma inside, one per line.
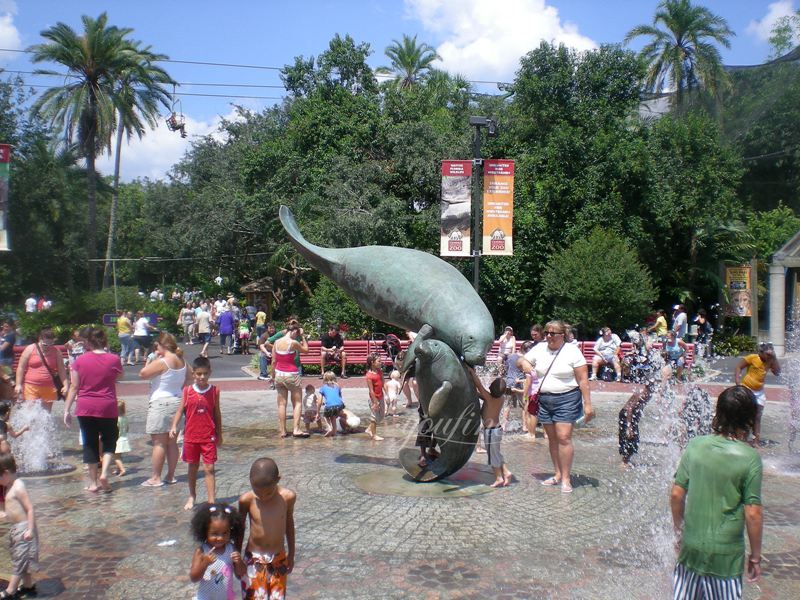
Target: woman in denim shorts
(563,397)
(287,377)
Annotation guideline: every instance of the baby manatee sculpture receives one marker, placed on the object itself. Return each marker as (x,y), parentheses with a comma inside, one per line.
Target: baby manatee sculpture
(449,400)
(406,288)
(417,291)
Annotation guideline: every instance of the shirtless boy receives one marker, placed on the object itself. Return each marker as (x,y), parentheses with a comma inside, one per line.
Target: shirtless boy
(23,538)
(492,430)
(270,510)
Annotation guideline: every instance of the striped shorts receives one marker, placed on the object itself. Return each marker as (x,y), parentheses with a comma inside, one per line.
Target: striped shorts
(688,585)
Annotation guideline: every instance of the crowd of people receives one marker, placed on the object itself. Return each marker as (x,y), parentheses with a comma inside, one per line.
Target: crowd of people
(546,379)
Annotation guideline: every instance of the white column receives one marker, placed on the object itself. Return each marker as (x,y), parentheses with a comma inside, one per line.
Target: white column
(777,308)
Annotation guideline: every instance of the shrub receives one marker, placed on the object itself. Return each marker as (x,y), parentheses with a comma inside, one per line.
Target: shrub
(598,281)
(734,345)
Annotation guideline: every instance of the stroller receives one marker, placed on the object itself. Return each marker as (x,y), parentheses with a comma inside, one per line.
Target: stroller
(389,343)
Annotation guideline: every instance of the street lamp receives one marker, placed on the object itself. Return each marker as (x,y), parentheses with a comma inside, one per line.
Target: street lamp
(477,173)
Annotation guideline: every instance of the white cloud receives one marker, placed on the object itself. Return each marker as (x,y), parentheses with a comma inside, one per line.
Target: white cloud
(762,28)
(155,154)
(9,35)
(485,39)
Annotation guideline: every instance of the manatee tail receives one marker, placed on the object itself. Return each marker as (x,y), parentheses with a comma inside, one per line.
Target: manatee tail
(322,258)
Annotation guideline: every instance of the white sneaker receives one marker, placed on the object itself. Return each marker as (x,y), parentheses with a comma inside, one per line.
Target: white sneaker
(592,377)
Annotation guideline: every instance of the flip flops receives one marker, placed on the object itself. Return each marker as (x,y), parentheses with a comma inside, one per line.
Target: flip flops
(301,435)
(147,483)
(551,481)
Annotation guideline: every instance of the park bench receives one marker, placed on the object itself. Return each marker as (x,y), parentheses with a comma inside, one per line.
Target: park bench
(357,352)
(18,352)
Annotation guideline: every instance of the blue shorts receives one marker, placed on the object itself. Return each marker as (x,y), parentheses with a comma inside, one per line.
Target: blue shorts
(204,337)
(566,407)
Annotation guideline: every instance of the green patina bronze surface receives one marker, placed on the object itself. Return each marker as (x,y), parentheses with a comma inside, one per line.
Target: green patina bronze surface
(419,292)
(450,402)
(406,288)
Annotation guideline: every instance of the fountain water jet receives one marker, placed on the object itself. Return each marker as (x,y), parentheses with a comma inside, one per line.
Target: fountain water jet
(36,452)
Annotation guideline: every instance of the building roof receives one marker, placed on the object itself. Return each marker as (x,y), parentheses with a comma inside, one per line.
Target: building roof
(789,254)
(259,285)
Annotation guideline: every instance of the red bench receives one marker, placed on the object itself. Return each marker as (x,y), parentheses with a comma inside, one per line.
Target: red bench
(357,352)
(19,349)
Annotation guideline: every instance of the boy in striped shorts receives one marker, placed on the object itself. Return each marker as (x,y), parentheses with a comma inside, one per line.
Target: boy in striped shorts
(716,493)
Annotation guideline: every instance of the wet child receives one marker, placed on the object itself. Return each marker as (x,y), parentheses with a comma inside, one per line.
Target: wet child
(6,429)
(269,552)
(629,416)
(333,405)
(216,563)
(377,405)
(123,444)
(203,430)
(426,441)
(23,537)
(310,407)
(755,367)
(392,388)
(492,431)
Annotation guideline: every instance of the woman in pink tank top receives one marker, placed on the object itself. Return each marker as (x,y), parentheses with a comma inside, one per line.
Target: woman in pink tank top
(287,376)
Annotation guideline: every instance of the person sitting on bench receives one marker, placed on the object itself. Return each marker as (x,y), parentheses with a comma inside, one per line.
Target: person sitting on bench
(606,349)
(332,350)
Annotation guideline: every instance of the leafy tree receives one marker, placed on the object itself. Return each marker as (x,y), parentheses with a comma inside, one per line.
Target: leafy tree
(141,90)
(409,61)
(784,33)
(771,229)
(598,281)
(681,53)
(85,106)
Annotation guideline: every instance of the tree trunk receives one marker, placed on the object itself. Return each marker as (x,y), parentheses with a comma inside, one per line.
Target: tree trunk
(91,219)
(112,215)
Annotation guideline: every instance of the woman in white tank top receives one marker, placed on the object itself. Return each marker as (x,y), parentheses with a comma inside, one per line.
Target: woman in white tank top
(168,374)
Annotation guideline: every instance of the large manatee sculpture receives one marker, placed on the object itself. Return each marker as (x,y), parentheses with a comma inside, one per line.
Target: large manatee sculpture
(450,401)
(417,291)
(406,288)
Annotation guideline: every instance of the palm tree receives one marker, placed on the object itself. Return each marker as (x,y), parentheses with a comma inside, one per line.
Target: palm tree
(140,91)
(409,60)
(682,54)
(85,107)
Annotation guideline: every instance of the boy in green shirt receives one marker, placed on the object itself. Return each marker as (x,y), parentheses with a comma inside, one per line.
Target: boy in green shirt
(716,494)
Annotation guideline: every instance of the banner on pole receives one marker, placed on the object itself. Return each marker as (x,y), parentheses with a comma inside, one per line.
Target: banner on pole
(498,207)
(740,291)
(456,208)
(5,172)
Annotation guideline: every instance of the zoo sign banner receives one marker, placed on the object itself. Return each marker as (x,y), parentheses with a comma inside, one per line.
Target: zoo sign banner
(498,207)
(456,208)
(739,291)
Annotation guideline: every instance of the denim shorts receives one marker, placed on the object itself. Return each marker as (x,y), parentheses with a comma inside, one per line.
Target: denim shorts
(566,407)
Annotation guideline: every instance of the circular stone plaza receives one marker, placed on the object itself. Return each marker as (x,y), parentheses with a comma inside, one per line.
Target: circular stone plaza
(366,531)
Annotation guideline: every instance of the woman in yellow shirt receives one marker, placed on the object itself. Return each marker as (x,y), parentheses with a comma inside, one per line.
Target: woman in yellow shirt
(755,367)
(124,330)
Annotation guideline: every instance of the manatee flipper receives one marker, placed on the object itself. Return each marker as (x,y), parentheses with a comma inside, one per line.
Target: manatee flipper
(425,332)
(439,399)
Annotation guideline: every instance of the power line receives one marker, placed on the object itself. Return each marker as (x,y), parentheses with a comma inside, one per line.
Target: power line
(264,67)
(49,87)
(247,85)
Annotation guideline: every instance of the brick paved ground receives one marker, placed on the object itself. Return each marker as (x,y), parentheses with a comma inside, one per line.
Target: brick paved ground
(606,540)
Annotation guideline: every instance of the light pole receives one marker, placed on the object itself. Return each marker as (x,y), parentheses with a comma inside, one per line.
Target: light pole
(477,173)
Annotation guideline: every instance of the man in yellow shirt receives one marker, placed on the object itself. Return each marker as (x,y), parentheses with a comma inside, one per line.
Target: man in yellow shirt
(756,367)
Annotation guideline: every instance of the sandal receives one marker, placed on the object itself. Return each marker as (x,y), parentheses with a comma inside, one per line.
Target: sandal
(5,594)
(147,483)
(28,592)
(551,481)
(301,435)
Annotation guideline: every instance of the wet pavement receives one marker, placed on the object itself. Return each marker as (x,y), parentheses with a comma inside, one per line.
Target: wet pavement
(359,538)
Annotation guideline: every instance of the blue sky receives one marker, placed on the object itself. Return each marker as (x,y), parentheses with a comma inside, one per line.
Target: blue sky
(480,39)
